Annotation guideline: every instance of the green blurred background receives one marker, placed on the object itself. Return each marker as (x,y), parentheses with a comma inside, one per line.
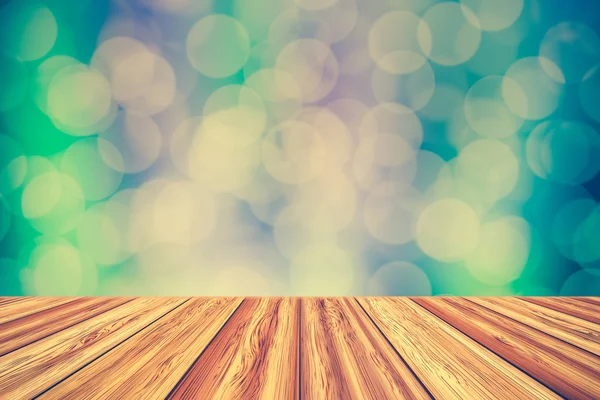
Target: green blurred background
(299,147)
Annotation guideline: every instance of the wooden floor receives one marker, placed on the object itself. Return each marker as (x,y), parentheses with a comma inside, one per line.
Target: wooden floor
(288,348)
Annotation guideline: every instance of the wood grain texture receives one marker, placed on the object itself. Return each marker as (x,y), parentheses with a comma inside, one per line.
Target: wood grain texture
(255,356)
(24,306)
(536,353)
(450,364)
(574,307)
(344,356)
(573,330)
(594,301)
(8,300)
(290,348)
(151,363)
(20,332)
(28,371)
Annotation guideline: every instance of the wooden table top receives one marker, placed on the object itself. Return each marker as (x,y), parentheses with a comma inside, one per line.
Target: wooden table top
(288,348)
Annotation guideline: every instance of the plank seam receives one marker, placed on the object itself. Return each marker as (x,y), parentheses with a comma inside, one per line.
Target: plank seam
(586,300)
(394,348)
(109,350)
(488,349)
(532,327)
(187,372)
(583,302)
(527,301)
(39,311)
(299,364)
(66,327)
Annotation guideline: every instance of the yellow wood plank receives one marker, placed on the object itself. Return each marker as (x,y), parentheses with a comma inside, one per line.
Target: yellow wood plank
(573,330)
(255,356)
(151,363)
(344,356)
(22,331)
(568,370)
(24,306)
(567,305)
(6,300)
(450,364)
(28,371)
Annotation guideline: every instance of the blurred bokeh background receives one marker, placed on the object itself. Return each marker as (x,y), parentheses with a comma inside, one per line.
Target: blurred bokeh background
(299,147)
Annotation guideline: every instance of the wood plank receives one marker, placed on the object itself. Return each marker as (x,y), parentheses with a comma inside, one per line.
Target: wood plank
(568,306)
(29,305)
(595,301)
(573,330)
(26,372)
(450,364)
(151,363)
(345,356)
(7,300)
(536,353)
(22,331)
(255,356)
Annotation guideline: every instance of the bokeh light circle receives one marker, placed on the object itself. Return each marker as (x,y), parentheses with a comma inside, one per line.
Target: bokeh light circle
(324,267)
(329,24)
(449,33)
(52,202)
(393,118)
(581,283)
(59,269)
(170,212)
(447,230)
(326,204)
(13,165)
(28,29)
(102,232)
(83,162)
(497,51)
(535,95)
(399,278)
(234,114)
(221,165)
(383,157)
(79,99)
(256,16)
(141,80)
(413,90)
(26,171)
(576,230)
(313,5)
(312,64)
(293,152)
(218,46)
(396,40)
(334,132)
(446,99)
(490,166)
(390,213)
(573,47)
(486,111)
(564,151)
(45,72)
(280,92)
(502,251)
(494,15)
